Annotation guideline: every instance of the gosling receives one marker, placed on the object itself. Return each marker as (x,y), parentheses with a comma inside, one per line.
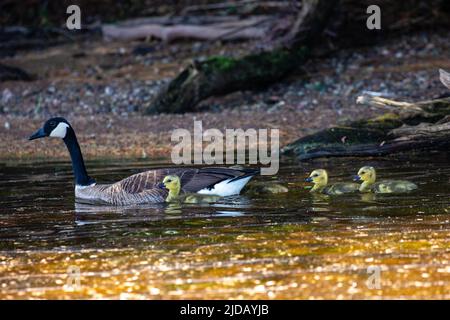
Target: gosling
(367,175)
(173,184)
(320,179)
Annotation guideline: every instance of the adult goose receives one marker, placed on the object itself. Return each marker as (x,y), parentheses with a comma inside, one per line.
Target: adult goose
(142,187)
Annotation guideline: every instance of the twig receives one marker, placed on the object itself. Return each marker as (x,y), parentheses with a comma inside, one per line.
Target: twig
(386,103)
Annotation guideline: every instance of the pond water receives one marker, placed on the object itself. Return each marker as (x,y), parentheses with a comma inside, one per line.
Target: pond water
(292,246)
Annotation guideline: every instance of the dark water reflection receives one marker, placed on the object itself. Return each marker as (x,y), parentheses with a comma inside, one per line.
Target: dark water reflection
(294,245)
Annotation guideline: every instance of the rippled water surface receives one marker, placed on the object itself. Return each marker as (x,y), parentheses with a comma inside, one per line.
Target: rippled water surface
(293,245)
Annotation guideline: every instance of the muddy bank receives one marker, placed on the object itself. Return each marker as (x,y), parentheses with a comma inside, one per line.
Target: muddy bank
(102,88)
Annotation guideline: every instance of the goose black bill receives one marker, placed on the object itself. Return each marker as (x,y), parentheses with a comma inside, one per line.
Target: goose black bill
(38,134)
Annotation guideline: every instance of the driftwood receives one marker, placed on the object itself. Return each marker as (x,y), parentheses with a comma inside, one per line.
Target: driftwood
(421,126)
(221,75)
(171,29)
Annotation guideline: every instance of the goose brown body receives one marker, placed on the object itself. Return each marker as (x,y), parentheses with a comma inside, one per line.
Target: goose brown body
(143,187)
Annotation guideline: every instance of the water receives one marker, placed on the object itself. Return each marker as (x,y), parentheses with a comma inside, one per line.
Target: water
(293,246)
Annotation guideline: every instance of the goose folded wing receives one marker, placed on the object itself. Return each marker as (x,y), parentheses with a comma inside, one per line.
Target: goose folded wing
(192,179)
(142,182)
(208,177)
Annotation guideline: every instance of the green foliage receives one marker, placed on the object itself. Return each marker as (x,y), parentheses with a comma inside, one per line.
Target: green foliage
(220,63)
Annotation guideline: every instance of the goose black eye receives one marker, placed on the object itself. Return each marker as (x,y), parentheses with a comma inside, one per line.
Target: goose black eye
(52,123)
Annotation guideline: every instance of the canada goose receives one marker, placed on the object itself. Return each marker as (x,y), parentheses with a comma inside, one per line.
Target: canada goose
(320,179)
(141,187)
(368,177)
(173,184)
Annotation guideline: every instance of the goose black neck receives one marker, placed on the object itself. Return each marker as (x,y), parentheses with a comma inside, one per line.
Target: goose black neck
(79,170)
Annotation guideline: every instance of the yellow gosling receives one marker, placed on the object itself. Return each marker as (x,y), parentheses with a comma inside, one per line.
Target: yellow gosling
(173,184)
(319,178)
(368,176)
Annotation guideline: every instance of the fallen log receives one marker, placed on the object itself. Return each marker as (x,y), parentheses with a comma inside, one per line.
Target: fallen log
(419,138)
(168,30)
(221,75)
(171,33)
(419,126)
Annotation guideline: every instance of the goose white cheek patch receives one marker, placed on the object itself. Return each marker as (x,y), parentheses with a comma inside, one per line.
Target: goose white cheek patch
(60,130)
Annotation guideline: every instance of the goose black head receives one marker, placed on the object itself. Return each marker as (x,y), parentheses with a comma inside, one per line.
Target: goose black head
(54,127)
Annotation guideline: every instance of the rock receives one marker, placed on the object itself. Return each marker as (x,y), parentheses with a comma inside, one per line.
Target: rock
(7,95)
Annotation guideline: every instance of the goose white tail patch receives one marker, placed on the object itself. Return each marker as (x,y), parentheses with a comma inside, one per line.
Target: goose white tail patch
(82,192)
(79,187)
(226,188)
(60,130)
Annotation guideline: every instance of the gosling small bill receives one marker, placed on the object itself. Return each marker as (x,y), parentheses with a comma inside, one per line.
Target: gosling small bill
(368,176)
(319,178)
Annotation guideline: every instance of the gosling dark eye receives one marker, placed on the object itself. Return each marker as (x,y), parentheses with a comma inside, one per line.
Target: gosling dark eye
(169,180)
(315,176)
(362,172)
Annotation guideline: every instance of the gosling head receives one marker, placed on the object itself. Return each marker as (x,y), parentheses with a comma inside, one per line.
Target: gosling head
(173,184)
(320,179)
(54,127)
(367,176)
